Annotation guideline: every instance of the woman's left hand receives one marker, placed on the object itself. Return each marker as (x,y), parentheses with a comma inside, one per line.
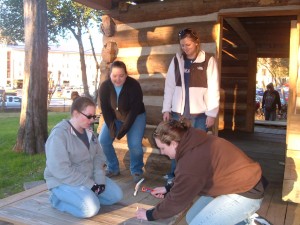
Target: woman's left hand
(210,121)
(141,214)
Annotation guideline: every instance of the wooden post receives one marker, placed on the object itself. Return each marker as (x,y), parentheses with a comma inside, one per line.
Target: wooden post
(109,52)
(108,26)
(291,181)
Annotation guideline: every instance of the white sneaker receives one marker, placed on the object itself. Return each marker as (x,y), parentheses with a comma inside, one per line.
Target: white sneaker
(259,220)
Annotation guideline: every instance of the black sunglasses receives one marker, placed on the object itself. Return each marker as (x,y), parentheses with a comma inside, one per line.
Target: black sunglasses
(89,116)
(185,32)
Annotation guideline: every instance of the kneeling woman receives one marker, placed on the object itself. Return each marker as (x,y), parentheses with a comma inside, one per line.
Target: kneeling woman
(75,173)
(229,183)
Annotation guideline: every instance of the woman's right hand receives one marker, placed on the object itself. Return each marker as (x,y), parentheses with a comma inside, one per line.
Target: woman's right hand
(166,116)
(159,192)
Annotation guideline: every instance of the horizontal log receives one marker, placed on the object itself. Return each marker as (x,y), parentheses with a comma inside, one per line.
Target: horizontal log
(162,35)
(153,101)
(174,9)
(232,82)
(153,86)
(160,50)
(166,22)
(235,57)
(152,64)
(235,63)
(154,114)
(148,64)
(234,70)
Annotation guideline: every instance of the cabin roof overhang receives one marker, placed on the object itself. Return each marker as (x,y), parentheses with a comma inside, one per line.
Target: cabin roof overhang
(97,4)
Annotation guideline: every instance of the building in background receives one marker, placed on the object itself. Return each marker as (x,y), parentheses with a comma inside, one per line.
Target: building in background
(63,67)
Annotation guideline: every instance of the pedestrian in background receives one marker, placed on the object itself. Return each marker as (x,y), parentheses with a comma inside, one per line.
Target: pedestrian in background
(271,102)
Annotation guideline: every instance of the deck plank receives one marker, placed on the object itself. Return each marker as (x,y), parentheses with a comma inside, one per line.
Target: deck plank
(277,210)
(293,214)
(266,202)
(25,194)
(35,209)
(38,205)
(32,207)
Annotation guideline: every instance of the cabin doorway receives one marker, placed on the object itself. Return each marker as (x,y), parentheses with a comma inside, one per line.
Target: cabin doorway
(244,38)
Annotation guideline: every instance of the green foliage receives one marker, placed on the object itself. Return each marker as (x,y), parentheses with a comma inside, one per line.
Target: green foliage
(11,21)
(63,16)
(17,168)
(277,67)
(69,16)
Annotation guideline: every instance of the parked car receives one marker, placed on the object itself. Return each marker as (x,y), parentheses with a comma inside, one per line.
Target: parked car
(12,102)
(259,91)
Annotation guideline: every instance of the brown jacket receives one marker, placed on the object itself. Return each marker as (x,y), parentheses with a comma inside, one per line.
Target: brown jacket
(207,165)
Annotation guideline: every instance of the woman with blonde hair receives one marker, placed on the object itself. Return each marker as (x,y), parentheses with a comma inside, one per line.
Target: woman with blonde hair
(191,86)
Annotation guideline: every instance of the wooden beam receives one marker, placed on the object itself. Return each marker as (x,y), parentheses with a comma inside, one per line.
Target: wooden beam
(241,31)
(97,4)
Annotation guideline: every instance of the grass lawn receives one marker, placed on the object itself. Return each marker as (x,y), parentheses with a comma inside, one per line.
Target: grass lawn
(17,168)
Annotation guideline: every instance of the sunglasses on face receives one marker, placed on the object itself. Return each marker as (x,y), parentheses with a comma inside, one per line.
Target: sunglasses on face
(89,116)
(182,34)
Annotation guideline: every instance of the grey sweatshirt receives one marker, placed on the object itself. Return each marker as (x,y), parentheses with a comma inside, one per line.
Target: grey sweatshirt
(70,162)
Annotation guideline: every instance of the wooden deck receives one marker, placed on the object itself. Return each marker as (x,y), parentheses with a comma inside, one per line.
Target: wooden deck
(265,145)
(32,207)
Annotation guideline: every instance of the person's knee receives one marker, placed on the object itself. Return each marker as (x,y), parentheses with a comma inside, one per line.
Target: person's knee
(135,147)
(118,195)
(104,140)
(90,208)
(188,217)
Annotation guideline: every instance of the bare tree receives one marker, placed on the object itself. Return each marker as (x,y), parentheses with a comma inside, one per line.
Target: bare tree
(277,67)
(33,131)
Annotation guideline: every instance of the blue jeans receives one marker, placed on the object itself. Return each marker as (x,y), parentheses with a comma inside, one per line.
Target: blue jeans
(199,123)
(223,210)
(134,141)
(270,115)
(81,201)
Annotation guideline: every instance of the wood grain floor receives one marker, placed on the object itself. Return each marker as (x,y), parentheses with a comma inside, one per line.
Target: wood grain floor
(268,147)
(32,207)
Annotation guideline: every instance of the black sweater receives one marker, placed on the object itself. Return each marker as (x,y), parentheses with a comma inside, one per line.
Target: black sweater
(126,109)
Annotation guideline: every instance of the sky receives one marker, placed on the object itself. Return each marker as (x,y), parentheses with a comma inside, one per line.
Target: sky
(71,43)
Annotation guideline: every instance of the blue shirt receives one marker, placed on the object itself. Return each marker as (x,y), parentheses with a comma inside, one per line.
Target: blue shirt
(118,90)
(187,74)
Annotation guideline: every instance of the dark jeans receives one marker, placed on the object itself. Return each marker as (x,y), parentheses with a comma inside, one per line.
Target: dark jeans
(270,115)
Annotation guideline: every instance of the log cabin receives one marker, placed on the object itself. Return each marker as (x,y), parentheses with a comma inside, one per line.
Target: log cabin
(143,34)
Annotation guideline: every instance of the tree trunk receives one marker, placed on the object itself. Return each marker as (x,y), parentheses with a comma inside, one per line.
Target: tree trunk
(95,94)
(83,66)
(33,131)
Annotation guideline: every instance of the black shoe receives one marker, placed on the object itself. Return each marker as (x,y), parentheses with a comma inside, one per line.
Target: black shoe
(137,177)
(112,174)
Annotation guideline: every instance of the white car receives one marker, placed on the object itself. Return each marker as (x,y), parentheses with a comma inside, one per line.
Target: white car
(12,102)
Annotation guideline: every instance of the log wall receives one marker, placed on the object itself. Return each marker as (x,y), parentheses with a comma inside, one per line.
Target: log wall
(146,36)
(147,49)
(237,80)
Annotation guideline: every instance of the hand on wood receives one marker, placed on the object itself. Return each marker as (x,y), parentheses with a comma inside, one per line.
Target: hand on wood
(141,213)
